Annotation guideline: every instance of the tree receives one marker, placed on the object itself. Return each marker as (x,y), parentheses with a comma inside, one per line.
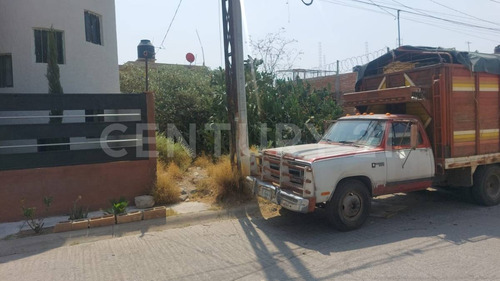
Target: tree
(275,51)
(53,75)
(55,88)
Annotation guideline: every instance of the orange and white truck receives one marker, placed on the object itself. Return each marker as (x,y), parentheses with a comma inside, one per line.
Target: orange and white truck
(426,117)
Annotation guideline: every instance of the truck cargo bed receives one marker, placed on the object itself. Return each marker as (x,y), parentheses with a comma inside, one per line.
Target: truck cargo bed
(460,109)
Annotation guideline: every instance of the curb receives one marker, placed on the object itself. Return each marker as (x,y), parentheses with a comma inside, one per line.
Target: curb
(53,240)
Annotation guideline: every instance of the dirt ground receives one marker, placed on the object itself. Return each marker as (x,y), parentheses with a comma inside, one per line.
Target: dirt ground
(189,182)
(192,179)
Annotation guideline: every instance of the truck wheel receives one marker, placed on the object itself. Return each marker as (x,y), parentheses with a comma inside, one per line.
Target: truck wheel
(350,205)
(486,189)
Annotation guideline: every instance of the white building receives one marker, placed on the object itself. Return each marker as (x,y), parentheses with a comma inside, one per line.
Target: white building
(87,56)
(86,37)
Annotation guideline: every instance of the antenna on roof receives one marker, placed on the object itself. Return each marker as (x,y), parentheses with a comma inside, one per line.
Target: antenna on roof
(202,52)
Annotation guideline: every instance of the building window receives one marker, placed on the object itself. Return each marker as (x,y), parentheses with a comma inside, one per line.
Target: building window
(42,45)
(93,28)
(6,71)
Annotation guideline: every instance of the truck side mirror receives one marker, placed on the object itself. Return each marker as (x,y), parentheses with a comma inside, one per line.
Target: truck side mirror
(414,136)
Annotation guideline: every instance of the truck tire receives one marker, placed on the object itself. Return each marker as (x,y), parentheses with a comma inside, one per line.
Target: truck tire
(350,205)
(486,189)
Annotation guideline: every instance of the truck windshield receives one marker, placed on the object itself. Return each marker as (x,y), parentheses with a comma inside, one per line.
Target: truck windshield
(356,132)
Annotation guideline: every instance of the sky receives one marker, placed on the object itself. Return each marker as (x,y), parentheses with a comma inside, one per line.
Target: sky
(351,31)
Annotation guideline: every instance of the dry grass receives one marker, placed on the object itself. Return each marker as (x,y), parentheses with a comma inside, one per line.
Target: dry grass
(223,184)
(174,171)
(203,161)
(205,192)
(166,190)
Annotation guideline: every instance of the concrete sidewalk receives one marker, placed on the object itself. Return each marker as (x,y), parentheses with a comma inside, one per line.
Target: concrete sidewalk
(187,213)
(11,228)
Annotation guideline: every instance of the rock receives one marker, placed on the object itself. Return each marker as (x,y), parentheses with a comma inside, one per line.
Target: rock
(196,174)
(198,168)
(183,197)
(144,201)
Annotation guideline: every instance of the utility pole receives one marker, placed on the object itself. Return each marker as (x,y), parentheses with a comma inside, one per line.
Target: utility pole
(235,85)
(468,45)
(399,31)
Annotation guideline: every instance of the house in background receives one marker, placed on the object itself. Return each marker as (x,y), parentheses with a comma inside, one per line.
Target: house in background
(87,57)
(86,45)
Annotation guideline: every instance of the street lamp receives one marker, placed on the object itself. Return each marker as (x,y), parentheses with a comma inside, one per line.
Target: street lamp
(145,51)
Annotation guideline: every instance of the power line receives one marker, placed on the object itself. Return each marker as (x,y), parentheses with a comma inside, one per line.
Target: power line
(170,25)
(337,2)
(496,30)
(440,24)
(435,12)
(450,29)
(382,9)
(411,8)
(433,20)
(463,13)
(356,6)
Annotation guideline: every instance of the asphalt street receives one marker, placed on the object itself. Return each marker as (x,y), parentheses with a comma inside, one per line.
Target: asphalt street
(430,235)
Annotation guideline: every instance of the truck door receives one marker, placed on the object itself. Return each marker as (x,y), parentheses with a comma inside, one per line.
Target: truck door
(407,169)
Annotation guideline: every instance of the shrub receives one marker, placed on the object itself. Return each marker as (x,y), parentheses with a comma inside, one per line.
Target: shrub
(179,154)
(34,222)
(166,191)
(117,206)
(198,96)
(78,212)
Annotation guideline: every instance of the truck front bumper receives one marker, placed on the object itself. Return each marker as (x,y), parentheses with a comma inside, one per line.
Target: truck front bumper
(278,196)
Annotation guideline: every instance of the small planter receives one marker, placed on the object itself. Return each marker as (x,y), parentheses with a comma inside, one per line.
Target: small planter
(102,221)
(62,226)
(129,217)
(71,225)
(80,224)
(155,213)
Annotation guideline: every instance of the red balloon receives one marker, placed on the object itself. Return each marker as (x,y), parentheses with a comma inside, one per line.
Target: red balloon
(190,57)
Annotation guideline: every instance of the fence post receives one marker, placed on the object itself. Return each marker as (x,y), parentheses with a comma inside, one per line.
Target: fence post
(150,107)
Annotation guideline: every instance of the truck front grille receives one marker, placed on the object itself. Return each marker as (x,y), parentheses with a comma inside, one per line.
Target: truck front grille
(291,175)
